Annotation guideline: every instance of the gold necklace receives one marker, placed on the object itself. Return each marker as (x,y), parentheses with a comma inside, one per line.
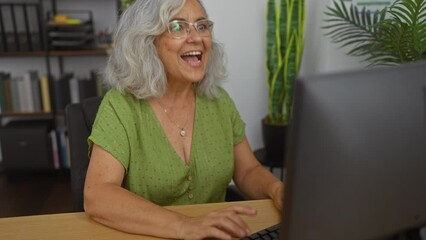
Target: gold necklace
(182,131)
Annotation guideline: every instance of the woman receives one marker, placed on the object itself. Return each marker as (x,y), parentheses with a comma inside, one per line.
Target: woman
(166,133)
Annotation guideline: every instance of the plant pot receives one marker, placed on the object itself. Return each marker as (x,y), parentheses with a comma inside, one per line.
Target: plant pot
(274,136)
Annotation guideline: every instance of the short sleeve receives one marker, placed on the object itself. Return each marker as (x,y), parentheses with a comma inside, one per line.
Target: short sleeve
(108,130)
(238,125)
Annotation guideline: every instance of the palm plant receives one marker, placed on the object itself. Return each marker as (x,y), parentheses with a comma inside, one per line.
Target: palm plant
(285,41)
(392,36)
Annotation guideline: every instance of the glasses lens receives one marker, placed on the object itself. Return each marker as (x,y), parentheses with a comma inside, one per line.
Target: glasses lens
(204,27)
(178,28)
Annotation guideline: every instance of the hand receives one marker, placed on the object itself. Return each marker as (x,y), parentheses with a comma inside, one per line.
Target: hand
(221,224)
(277,194)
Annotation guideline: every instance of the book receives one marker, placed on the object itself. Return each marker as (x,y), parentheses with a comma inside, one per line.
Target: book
(55,153)
(74,91)
(29,93)
(2,94)
(15,95)
(62,147)
(23,102)
(45,94)
(35,89)
(61,92)
(7,93)
(87,88)
(100,88)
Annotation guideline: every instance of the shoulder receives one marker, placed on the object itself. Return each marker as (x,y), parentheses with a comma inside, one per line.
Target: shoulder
(222,96)
(119,104)
(222,102)
(119,100)
(225,99)
(115,96)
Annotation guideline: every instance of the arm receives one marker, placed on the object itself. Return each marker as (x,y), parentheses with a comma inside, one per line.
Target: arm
(253,179)
(106,202)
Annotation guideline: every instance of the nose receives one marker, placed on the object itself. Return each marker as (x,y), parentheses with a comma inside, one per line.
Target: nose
(192,33)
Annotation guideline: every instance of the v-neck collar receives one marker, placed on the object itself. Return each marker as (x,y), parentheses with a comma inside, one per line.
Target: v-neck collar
(164,135)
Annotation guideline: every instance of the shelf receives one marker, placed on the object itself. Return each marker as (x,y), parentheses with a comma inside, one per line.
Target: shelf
(68,25)
(54,53)
(23,54)
(26,114)
(92,52)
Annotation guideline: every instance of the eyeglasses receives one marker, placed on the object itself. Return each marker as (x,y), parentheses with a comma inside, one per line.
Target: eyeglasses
(180,29)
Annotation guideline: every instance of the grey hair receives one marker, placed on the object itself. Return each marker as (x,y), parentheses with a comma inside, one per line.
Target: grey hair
(134,65)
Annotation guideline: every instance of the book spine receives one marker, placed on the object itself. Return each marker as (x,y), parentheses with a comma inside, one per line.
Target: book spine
(8,93)
(87,88)
(22,96)
(74,93)
(62,93)
(27,93)
(63,148)
(35,89)
(45,94)
(2,94)
(100,89)
(15,95)
(55,152)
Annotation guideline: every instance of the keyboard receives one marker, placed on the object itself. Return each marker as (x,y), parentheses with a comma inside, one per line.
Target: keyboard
(271,232)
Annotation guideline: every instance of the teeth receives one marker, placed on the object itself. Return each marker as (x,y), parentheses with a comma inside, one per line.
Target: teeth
(193,53)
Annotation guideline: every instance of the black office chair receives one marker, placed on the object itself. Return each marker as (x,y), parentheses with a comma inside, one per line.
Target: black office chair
(80,118)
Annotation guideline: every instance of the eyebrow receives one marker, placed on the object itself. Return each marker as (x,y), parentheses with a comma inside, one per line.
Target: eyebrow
(183,19)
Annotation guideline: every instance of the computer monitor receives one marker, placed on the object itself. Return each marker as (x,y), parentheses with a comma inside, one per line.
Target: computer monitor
(356,163)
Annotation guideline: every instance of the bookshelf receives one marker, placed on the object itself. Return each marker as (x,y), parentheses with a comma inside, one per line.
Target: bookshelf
(51,48)
(63,53)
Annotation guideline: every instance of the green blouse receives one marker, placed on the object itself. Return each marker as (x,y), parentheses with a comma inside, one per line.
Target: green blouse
(129,130)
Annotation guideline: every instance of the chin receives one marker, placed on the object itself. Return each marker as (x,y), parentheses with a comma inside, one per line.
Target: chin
(195,78)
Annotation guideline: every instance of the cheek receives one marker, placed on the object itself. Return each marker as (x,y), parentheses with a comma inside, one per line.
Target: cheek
(168,52)
(163,48)
(208,45)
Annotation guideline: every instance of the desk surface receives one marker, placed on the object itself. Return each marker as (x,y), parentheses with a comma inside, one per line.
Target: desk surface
(79,226)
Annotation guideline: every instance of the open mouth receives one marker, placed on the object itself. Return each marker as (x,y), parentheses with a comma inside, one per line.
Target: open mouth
(193,58)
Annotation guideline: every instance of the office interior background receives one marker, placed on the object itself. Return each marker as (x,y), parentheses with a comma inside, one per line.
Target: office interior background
(240,25)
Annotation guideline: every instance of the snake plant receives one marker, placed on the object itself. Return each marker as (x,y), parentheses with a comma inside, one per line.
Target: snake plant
(392,36)
(125,4)
(285,41)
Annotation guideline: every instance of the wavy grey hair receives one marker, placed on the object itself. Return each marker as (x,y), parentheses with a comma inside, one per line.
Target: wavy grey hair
(134,65)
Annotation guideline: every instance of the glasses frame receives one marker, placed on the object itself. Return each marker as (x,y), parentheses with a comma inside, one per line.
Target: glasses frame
(190,24)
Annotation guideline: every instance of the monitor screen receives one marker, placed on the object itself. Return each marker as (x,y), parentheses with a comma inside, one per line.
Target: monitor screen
(356,159)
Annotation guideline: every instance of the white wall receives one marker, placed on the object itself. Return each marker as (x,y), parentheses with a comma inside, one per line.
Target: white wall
(240,26)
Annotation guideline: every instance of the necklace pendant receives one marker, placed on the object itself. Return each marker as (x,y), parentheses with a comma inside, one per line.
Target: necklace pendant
(182,133)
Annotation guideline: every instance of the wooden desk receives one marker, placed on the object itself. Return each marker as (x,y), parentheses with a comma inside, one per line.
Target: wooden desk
(79,226)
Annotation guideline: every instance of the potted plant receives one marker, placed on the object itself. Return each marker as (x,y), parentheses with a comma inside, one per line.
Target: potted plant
(285,41)
(125,4)
(392,36)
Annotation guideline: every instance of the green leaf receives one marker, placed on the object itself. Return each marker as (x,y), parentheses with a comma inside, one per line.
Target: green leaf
(382,40)
(285,31)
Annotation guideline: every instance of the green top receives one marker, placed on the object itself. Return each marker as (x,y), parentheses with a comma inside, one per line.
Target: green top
(129,130)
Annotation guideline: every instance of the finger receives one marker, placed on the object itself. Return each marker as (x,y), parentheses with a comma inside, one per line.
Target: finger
(234,222)
(244,210)
(218,233)
(233,227)
(278,203)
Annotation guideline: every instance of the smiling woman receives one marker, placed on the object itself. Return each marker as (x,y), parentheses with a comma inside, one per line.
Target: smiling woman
(185,48)
(167,133)
(144,60)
